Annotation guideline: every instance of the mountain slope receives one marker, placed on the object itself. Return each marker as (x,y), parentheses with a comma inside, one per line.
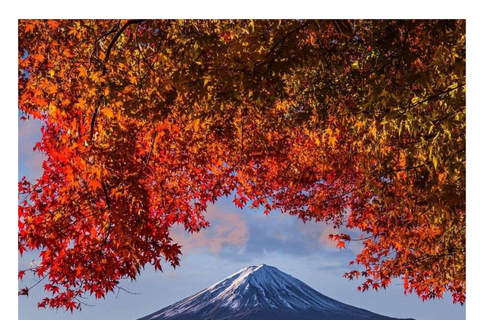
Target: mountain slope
(261,292)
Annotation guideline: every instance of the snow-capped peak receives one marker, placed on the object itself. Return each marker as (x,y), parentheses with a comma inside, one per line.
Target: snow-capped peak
(261,287)
(256,292)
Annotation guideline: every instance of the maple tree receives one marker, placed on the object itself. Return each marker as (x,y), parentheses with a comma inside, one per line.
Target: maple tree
(146,122)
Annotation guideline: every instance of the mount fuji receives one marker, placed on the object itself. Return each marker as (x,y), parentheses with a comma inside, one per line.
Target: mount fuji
(261,292)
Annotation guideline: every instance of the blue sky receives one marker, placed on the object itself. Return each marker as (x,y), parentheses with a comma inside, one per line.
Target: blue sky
(236,238)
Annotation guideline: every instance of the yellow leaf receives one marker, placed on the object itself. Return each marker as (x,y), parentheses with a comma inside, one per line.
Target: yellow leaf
(52,108)
(107,112)
(196,124)
(252,25)
(435,162)
(57,216)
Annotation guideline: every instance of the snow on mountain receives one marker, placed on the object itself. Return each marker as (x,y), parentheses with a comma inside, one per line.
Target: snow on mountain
(261,292)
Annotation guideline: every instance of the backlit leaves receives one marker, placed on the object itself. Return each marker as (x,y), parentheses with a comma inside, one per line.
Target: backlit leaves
(146,123)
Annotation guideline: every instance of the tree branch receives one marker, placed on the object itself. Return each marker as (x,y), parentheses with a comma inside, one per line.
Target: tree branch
(114,40)
(282,42)
(434,96)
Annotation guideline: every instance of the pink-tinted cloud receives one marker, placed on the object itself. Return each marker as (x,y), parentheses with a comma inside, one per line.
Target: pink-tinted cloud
(227,229)
(324,237)
(318,231)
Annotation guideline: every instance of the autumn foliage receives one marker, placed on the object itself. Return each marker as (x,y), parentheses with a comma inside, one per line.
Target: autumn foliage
(145,123)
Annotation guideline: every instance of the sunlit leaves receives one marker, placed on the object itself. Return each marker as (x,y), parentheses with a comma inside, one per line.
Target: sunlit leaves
(147,122)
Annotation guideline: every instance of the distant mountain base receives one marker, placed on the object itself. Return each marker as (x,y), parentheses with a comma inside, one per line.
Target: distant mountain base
(225,314)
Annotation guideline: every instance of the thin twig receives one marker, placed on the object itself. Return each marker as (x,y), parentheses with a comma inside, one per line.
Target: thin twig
(84,303)
(33,286)
(104,187)
(122,288)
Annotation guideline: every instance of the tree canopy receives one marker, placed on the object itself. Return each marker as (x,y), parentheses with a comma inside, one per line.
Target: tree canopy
(146,122)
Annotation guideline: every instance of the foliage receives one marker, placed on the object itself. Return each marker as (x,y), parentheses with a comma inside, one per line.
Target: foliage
(360,123)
